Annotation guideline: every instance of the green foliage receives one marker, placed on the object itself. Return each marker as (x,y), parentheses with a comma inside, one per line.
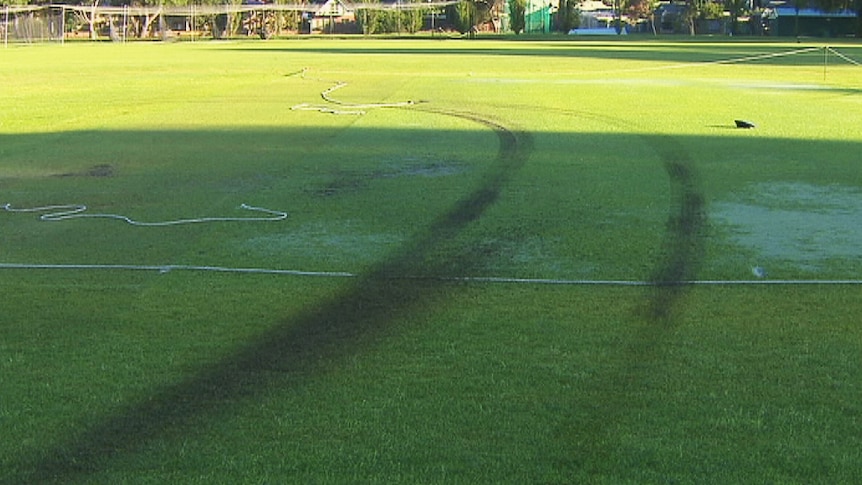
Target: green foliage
(710,10)
(291,21)
(639,9)
(517,9)
(467,14)
(568,15)
(375,21)
(369,20)
(736,8)
(463,15)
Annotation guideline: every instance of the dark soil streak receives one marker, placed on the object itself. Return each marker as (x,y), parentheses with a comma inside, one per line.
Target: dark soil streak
(102,170)
(685,239)
(617,392)
(685,242)
(293,350)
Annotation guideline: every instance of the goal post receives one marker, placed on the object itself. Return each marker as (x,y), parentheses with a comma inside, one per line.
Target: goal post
(32,23)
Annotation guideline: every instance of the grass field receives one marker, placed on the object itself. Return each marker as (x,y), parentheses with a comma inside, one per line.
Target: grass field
(476,283)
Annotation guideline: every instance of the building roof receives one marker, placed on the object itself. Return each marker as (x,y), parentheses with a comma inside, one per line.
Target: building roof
(809,12)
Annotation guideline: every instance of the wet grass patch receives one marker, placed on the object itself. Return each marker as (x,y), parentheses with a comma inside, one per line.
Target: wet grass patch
(797,227)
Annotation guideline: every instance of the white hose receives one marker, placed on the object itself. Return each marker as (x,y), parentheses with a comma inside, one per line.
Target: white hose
(76,211)
(354,108)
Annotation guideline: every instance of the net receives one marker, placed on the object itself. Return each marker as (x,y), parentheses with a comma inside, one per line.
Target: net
(31,23)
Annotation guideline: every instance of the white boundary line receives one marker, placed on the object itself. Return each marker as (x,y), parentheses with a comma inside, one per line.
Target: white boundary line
(543,281)
(842,56)
(684,65)
(165,268)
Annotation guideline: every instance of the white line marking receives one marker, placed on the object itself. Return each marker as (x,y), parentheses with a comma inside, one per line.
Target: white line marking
(165,268)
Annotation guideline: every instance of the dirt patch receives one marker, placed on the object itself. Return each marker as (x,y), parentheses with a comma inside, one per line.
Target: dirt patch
(101,170)
(353,181)
(420,168)
(340,185)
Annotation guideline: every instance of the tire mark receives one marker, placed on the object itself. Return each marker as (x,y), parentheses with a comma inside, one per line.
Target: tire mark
(685,242)
(684,246)
(293,350)
(618,391)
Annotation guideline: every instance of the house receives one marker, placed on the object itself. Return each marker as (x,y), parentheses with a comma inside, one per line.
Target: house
(329,16)
(596,15)
(787,21)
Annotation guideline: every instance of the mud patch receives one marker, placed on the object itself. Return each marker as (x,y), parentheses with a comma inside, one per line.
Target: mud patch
(101,170)
(354,181)
(417,167)
(800,224)
(340,185)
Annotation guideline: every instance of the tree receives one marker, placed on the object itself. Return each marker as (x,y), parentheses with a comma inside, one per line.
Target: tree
(568,16)
(700,10)
(410,19)
(639,9)
(735,8)
(91,20)
(369,20)
(462,15)
(468,14)
(377,20)
(710,10)
(618,15)
(482,11)
(517,10)
(149,19)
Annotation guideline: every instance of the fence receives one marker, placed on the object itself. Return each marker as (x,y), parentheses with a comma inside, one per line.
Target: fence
(40,23)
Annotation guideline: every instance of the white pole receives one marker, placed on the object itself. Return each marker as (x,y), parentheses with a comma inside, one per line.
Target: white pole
(6,29)
(825,60)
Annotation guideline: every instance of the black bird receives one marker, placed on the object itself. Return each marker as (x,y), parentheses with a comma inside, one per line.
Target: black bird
(743,124)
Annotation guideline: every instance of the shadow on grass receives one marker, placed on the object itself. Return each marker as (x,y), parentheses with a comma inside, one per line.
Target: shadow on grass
(371,307)
(342,326)
(694,52)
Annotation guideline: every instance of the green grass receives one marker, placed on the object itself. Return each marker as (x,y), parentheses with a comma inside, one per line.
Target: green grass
(556,159)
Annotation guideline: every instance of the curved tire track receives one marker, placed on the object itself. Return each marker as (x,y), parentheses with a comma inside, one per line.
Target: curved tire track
(300,347)
(685,241)
(684,245)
